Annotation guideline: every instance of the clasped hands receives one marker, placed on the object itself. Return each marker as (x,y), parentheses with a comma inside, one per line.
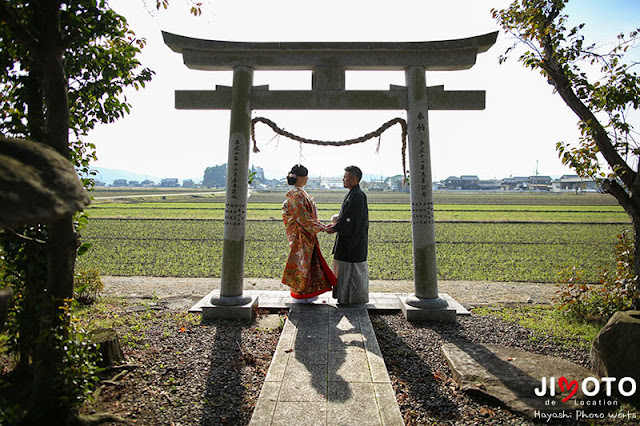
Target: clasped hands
(329,229)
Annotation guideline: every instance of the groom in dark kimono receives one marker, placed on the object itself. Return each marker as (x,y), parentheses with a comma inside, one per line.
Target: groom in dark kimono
(351,246)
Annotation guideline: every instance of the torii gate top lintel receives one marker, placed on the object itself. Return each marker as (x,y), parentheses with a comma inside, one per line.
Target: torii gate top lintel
(443,55)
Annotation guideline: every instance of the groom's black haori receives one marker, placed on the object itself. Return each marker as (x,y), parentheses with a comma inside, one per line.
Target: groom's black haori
(352,228)
(351,246)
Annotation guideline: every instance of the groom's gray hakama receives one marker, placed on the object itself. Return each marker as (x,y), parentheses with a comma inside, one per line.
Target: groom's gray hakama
(350,249)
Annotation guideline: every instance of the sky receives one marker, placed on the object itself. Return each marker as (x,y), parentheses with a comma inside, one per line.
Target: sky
(515,135)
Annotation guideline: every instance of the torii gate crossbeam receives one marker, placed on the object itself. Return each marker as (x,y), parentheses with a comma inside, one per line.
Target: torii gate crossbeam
(328,63)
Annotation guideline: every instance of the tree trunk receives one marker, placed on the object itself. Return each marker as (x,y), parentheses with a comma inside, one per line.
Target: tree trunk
(47,402)
(629,195)
(36,125)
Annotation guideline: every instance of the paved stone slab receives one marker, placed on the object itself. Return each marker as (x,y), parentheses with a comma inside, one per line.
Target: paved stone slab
(512,376)
(349,403)
(326,370)
(272,299)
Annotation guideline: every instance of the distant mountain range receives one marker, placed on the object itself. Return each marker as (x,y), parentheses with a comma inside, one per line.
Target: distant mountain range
(109,175)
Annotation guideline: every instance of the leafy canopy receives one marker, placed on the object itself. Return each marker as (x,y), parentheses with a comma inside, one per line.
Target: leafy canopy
(599,85)
(99,62)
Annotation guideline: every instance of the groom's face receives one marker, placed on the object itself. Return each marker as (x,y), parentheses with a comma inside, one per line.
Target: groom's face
(349,180)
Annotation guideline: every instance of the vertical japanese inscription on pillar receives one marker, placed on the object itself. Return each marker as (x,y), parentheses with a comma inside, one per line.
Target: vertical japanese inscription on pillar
(236,204)
(422,211)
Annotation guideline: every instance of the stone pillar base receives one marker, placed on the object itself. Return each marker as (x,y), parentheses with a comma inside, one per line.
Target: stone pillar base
(229,300)
(229,310)
(437,309)
(424,303)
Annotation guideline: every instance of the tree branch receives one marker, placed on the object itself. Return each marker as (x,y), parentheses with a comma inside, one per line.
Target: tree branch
(24,237)
(599,134)
(20,32)
(612,187)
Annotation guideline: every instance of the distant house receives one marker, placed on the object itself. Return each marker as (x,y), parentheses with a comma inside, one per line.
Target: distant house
(377,186)
(470,181)
(573,183)
(396,183)
(488,185)
(188,183)
(269,183)
(169,183)
(314,182)
(452,182)
(536,183)
(119,182)
(147,183)
(134,183)
(332,182)
(465,182)
(509,184)
(540,183)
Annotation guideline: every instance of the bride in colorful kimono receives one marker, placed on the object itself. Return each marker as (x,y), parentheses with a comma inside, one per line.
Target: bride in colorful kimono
(306,272)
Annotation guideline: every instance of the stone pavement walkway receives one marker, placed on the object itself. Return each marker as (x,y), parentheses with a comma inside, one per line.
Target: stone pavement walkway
(274,299)
(185,292)
(327,369)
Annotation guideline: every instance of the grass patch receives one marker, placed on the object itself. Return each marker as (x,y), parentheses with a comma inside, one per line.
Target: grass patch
(547,321)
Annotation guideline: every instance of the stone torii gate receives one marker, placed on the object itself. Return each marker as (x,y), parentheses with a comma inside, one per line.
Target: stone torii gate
(328,62)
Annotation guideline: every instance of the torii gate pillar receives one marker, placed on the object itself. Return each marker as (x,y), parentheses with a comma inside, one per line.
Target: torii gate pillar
(425,303)
(235,210)
(329,61)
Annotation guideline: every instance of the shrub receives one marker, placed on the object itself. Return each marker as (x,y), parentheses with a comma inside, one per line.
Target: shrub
(618,291)
(77,373)
(87,286)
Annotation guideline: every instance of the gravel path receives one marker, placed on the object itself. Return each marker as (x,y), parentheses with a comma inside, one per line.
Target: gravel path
(210,373)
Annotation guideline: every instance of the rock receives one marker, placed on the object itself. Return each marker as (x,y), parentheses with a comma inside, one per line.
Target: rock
(510,377)
(615,351)
(37,184)
(109,349)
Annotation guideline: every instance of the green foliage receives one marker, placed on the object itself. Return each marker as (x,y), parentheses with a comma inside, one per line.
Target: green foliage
(603,90)
(98,55)
(100,62)
(24,269)
(545,321)
(87,286)
(215,176)
(619,289)
(599,86)
(195,7)
(77,373)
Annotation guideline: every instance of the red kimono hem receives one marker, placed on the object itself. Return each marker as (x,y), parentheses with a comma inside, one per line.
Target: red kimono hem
(333,280)
(310,295)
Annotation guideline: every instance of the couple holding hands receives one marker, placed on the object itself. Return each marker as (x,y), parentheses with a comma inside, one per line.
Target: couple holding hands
(306,272)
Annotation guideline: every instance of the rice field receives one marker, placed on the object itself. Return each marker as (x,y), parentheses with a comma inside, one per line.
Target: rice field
(494,238)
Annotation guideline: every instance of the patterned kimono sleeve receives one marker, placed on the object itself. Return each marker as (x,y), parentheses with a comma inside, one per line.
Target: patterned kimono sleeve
(303,212)
(287,218)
